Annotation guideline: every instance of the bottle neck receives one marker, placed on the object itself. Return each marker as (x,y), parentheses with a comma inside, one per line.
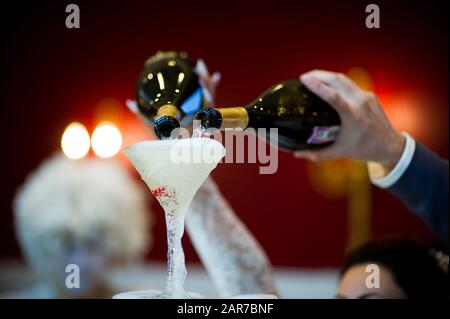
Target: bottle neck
(168,110)
(233,117)
(166,120)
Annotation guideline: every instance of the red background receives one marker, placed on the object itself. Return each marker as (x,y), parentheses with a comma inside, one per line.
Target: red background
(52,75)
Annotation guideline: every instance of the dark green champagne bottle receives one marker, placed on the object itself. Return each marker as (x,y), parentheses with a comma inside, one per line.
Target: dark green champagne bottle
(168,91)
(304,121)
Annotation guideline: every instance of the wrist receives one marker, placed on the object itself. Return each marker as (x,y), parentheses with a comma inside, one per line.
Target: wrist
(393,150)
(383,179)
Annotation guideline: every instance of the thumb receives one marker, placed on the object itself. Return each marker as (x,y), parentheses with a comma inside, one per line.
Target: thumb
(201,69)
(132,106)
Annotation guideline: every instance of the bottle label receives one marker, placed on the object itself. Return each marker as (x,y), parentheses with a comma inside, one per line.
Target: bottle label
(323,134)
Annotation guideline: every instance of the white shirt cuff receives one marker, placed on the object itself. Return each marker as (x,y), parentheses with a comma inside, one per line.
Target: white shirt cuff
(399,169)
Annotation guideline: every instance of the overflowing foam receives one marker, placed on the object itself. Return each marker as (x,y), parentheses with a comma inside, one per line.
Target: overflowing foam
(174,170)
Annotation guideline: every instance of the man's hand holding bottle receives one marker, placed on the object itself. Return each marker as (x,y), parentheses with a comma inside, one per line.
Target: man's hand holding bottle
(366,133)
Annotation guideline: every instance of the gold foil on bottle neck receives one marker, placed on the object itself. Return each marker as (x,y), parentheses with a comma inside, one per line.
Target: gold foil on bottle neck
(234,117)
(168,110)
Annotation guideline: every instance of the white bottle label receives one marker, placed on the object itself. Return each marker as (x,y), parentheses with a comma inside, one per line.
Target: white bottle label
(323,134)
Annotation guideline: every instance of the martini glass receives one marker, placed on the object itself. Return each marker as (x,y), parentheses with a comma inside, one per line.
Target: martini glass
(174,170)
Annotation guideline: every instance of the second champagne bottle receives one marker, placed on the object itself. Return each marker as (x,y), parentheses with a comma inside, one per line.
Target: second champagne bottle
(304,121)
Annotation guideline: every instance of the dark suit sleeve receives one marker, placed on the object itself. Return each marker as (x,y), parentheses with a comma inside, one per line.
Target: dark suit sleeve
(423,187)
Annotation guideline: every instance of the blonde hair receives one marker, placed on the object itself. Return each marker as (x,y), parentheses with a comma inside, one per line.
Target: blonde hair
(90,201)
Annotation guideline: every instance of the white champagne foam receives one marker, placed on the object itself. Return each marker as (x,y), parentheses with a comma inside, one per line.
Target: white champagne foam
(181,165)
(174,170)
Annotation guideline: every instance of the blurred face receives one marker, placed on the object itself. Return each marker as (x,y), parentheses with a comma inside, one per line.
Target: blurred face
(356,282)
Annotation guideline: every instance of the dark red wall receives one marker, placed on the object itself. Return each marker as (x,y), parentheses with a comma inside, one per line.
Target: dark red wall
(52,75)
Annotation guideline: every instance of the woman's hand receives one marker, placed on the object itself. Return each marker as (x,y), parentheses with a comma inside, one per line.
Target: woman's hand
(208,82)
